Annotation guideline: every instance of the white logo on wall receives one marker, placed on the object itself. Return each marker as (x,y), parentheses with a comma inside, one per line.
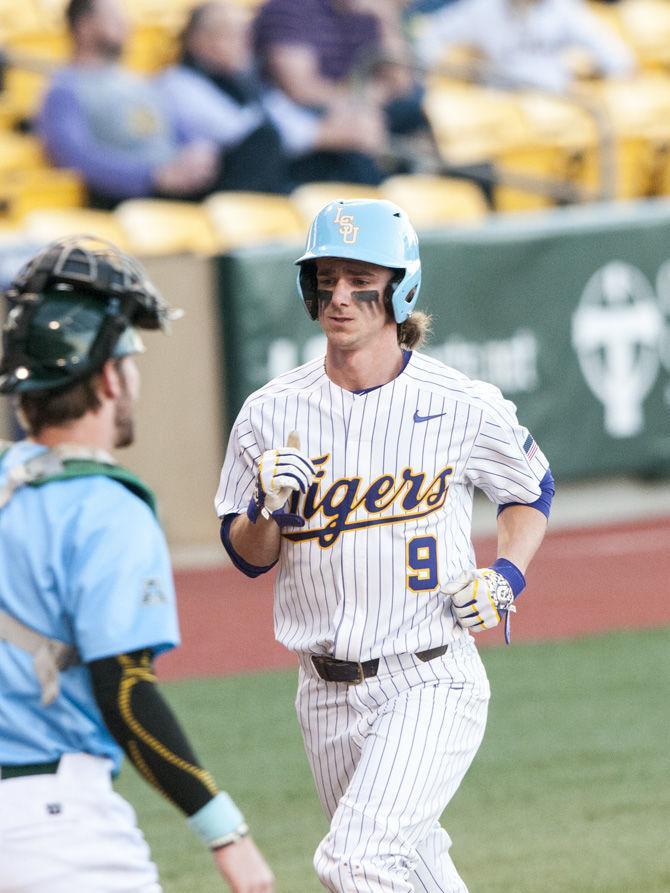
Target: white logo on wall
(509,363)
(618,335)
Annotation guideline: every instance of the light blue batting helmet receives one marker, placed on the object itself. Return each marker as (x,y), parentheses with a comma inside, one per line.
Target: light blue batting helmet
(372,230)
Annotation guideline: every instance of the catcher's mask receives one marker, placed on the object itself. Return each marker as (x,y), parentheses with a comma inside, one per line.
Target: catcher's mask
(372,230)
(73,306)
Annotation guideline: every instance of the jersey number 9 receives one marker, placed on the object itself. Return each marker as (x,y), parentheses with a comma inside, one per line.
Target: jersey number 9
(422,564)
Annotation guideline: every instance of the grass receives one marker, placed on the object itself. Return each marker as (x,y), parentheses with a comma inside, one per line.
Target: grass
(570,792)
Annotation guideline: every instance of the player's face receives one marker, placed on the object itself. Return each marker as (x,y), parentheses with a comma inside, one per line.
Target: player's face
(351,301)
(124,417)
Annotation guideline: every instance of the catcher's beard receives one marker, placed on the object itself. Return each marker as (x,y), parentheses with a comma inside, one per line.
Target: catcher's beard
(124,421)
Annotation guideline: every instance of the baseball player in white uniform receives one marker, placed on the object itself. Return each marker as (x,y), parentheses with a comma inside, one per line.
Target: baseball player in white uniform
(356,472)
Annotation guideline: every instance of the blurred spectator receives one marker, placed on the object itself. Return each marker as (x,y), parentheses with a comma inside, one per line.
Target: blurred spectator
(213,94)
(525,42)
(110,124)
(268,141)
(326,53)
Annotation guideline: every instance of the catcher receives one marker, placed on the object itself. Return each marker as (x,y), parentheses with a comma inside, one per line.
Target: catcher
(86,596)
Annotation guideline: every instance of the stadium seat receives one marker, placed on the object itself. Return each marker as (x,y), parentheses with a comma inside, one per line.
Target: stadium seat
(18,17)
(55,223)
(470,122)
(638,110)
(20,152)
(250,218)
(155,226)
(547,149)
(48,45)
(527,174)
(554,139)
(10,114)
(646,25)
(42,51)
(310,198)
(22,191)
(169,15)
(434,201)
(151,46)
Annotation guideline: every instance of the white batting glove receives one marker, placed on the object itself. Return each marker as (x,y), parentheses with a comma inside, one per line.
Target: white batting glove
(480,599)
(281,472)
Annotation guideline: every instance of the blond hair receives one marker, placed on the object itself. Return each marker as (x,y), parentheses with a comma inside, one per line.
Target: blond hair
(414,331)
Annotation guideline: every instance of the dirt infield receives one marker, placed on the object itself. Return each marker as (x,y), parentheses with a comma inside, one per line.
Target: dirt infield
(584,580)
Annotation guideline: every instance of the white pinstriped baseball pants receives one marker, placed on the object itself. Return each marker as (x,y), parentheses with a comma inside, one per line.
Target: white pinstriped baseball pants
(387,757)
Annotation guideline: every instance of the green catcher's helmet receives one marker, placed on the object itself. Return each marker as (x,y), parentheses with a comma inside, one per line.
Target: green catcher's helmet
(73,306)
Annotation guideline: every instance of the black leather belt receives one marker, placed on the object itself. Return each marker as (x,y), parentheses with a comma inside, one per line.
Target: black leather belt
(29,769)
(353,672)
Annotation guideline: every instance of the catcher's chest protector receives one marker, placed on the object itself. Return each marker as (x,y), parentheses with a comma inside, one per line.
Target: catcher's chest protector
(67,462)
(50,656)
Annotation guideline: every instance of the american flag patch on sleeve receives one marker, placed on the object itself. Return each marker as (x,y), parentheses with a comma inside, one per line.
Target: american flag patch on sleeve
(530,447)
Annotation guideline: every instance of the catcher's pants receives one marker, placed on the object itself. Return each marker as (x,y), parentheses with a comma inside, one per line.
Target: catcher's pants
(71,833)
(387,756)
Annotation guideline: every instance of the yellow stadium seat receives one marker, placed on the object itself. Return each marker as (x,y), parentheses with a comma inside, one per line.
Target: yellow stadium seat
(10,115)
(311,197)
(170,12)
(56,223)
(636,105)
(470,122)
(646,25)
(638,111)
(610,16)
(435,201)
(18,17)
(170,16)
(36,55)
(50,13)
(20,152)
(154,226)
(251,218)
(22,191)
(554,138)
(46,45)
(553,119)
(151,46)
(526,176)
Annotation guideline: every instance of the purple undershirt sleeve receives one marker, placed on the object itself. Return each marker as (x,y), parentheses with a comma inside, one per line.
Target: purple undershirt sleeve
(251,570)
(543,504)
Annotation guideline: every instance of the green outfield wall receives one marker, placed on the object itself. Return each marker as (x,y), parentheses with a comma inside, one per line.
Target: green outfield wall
(567,312)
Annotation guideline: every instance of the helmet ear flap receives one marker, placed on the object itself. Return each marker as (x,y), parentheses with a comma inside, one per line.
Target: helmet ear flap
(405,295)
(307,288)
(394,282)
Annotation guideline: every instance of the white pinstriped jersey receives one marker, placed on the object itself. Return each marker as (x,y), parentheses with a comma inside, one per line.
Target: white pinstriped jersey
(388,517)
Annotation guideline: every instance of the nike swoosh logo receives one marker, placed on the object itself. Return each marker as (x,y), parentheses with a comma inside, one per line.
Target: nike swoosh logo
(426,418)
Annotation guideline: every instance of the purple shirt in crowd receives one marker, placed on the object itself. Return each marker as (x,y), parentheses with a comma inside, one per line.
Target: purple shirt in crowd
(340,38)
(109,124)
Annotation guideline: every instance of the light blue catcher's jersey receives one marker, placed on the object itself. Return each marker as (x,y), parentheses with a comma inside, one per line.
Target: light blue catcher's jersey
(83,561)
